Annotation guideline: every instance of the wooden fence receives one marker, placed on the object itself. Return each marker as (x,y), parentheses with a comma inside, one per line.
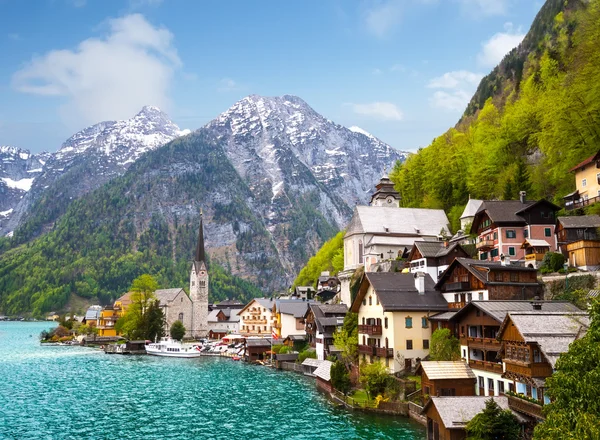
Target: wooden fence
(292,366)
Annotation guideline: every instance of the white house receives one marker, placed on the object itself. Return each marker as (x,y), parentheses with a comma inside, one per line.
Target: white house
(289,317)
(434,257)
(256,318)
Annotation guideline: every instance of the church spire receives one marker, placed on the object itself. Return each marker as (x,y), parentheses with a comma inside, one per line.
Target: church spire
(199,256)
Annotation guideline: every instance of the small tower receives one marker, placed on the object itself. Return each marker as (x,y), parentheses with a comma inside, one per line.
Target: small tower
(199,289)
(385,195)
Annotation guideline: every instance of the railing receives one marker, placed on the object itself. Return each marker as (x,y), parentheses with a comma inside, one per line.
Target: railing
(384,352)
(456,305)
(525,406)
(483,342)
(255,321)
(537,369)
(492,367)
(369,329)
(461,285)
(581,203)
(484,244)
(367,349)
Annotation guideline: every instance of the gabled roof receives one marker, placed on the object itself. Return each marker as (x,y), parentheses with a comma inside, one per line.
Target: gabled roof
(446,370)
(585,162)
(400,221)
(532,242)
(311,362)
(552,331)
(508,211)
(456,412)
(580,221)
(165,296)
(267,303)
(125,299)
(334,309)
(434,249)
(484,266)
(498,309)
(327,314)
(231,303)
(397,291)
(295,307)
(471,208)
(258,342)
(323,371)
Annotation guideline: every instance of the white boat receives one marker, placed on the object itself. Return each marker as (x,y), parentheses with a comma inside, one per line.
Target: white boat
(171,348)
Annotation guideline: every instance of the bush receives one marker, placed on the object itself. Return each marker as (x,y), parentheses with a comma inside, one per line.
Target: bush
(373,377)
(340,378)
(306,354)
(284,349)
(177,330)
(553,261)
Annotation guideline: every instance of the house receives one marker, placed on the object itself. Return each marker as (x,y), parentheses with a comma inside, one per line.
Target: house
(447,417)
(467,280)
(323,375)
(393,317)
(477,326)
(321,323)
(91,315)
(584,254)
(503,225)
(576,228)
(304,292)
(256,318)
(468,215)
(587,182)
(222,322)
(446,378)
(229,304)
(176,306)
(257,348)
(534,252)
(434,257)
(309,365)
(289,317)
(327,286)
(531,343)
(295,342)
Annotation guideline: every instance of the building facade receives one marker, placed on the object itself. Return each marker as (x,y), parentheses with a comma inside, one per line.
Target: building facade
(176,306)
(199,289)
(257,318)
(434,257)
(321,323)
(587,182)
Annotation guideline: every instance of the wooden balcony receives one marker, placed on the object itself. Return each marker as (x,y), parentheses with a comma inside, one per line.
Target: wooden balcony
(534,257)
(384,352)
(525,407)
(367,349)
(483,245)
(492,367)
(456,305)
(461,285)
(255,321)
(536,369)
(581,203)
(369,329)
(487,343)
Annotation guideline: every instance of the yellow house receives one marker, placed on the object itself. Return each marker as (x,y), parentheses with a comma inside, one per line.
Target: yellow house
(289,317)
(110,314)
(393,317)
(587,182)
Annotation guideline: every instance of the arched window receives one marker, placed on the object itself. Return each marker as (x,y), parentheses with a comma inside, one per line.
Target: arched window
(370,301)
(360,252)
(202,283)
(181,316)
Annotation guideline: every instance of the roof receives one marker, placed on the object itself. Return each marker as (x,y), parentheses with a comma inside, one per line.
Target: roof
(471,208)
(509,211)
(584,163)
(456,412)
(167,295)
(125,299)
(296,337)
(446,370)
(333,309)
(323,371)
(295,307)
(391,240)
(580,221)
(593,294)
(401,221)
(325,314)
(267,303)
(258,342)
(230,303)
(444,316)
(472,265)
(531,242)
(212,315)
(552,331)
(499,309)
(435,249)
(397,291)
(93,312)
(310,362)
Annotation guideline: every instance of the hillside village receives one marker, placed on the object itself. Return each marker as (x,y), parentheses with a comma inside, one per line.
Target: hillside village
(404,278)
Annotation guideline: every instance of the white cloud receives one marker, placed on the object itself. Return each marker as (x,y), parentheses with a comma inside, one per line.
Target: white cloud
(381,110)
(227,85)
(383,17)
(106,78)
(484,8)
(459,86)
(494,49)
(453,101)
(458,78)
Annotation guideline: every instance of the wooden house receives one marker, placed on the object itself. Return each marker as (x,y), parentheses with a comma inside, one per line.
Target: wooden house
(321,322)
(451,378)
(434,257)
(323,376)
(467,280)
(534,252)
(584,254)
(575,228)
(587,182)
(256,349)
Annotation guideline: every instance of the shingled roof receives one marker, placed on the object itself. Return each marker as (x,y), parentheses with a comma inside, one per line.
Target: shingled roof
(446,370)
(508,211)
(499,309)
(472,265)
(580,221)
(585,162)
(434,249)
(294,307)
(397,291)
(166,296)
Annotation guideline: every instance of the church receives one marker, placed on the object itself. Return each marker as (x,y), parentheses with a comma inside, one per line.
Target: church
(199,289)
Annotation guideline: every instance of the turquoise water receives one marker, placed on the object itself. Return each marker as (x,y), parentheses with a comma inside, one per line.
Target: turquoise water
(81,393)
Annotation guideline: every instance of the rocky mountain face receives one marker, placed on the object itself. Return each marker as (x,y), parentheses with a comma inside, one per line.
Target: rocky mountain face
(85,161)
(18,170)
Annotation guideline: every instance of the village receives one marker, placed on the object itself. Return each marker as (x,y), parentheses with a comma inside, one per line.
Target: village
(407,289)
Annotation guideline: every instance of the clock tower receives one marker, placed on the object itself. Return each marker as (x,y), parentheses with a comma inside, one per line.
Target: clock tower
(199,289)
(385,195)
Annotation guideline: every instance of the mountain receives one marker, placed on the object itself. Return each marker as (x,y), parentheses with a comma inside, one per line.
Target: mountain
(18,169)
(85,161)
(274,180)
(531,120)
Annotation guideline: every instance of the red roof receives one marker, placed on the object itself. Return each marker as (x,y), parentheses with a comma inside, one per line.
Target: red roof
(585,162)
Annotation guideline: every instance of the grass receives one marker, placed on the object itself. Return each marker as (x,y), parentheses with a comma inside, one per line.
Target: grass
(360,396)
(416,379)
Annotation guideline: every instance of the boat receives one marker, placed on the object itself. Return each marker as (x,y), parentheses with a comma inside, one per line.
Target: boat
(172,348)
(235,358)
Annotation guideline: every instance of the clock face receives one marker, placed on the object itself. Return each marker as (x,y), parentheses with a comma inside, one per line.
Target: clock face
(202,272)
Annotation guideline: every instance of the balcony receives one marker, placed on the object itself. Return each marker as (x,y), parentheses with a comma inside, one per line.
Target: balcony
(369,329)
(367,349)
(456,305)
(483,343)
(536,369)
(581,203)
(384,352)
(255,321)
(534,257)
(525,406)
(492,367)
(461,285)
(484,245)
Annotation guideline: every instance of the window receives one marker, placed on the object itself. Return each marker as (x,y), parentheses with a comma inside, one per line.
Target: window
(583,182)
(408,322)
(547,232)
(500,387)
(193,283)
(202,283)
(370,300)
(363,320)
(525,233)
(424,322)
(511,251)
(364,301)
(514,277)
(511,233)
(481,382)
(464,353)
(498,276)
(494,253)
(385,322)
(511,387)
(377,300)
(483,256)
(425,344)
(477,312)
(495,235)
(491,386)
(360,252)
(448,391)
(480,296)
(181,317)
(409,344)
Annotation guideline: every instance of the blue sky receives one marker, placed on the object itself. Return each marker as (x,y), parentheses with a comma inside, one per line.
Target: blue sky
(400,69)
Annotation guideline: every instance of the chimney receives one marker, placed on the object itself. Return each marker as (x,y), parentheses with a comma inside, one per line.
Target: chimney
(445,243)
(522,195)
(420,282)
(536,303)
(505,260)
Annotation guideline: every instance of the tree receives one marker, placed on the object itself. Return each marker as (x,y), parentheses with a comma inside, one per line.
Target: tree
(177,330)
(574,411)
(493,423)
(144,318)
(373,377)
(340,378)
(444,346)
(346,339)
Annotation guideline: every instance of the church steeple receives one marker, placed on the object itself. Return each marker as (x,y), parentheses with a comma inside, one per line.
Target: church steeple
(386,194)
(200,256)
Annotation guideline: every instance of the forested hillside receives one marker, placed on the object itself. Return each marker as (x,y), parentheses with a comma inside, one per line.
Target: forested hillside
(531,130)
(329,258)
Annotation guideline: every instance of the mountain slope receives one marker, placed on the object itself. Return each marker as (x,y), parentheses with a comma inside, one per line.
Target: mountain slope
(528,134)
(268,204)
(85,161)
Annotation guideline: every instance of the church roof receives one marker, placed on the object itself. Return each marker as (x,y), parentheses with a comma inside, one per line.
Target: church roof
(167,295)
(199,255)
(471,208)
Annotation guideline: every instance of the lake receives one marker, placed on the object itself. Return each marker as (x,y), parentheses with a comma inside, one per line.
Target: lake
(62,392)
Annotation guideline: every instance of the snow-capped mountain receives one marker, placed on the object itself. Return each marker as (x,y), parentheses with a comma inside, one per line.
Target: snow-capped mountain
(87,160)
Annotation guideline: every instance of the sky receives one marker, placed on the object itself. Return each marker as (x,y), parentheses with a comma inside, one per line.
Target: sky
(403,70)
